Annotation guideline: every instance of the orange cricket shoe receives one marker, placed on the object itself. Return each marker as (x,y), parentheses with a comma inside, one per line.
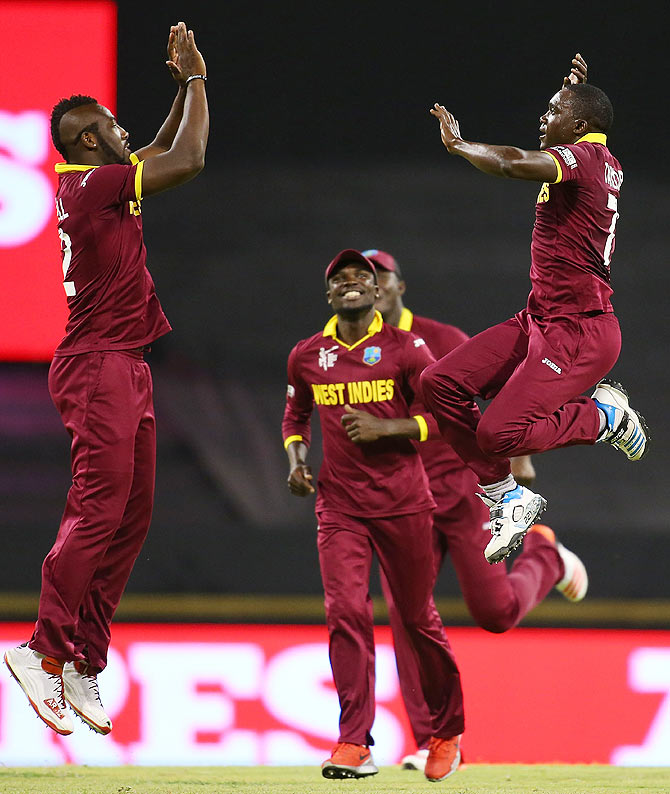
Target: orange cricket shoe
(575,583)
(349,760)
(444,756)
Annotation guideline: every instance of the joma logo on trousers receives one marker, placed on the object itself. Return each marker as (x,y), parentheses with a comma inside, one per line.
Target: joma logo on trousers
(551,364)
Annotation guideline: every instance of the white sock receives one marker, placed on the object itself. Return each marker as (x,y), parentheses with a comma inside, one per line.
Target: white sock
(496,490)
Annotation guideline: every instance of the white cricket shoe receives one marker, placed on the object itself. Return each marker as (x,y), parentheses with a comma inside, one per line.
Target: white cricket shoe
(626,429)
(83,695)
(575,583)
(41,678)
(511,517)
(415,760)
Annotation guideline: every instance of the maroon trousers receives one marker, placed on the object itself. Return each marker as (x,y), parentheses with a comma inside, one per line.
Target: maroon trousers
(533,370)
(403,546)
(105,402)
(497,599)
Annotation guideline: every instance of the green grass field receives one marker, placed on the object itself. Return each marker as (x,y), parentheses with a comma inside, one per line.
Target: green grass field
(472,779)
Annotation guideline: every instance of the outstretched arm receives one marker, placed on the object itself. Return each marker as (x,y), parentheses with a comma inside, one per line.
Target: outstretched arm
(165,135)
(505,161)
(186,129)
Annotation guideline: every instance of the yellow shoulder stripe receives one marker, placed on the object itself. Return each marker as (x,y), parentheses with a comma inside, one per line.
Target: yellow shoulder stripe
(138,178)
(558,168)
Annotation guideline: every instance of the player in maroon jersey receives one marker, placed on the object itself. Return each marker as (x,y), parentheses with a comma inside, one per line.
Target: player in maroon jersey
(497,599)
(535,365)
(373,499)
(101,384)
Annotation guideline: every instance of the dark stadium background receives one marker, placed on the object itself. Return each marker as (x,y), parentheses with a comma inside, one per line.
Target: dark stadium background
(321,140)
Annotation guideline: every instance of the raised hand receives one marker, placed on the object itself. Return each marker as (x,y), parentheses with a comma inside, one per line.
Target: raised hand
(449,128)
(187,58)
(577,72)
(172,62)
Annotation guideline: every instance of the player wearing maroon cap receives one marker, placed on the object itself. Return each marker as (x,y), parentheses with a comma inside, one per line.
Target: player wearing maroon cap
(535,365)
(497,599)
(373,498)
(100,383)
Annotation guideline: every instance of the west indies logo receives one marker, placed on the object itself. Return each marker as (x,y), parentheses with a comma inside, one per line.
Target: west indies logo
(372,355)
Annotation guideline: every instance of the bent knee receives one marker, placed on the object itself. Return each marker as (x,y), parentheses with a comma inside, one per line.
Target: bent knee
(495,623)
(496,441)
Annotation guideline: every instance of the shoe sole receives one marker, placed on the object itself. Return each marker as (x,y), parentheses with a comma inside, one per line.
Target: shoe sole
(456,764)
(333,772)
(103,729)
(52,725)
(615,386)
(517,538)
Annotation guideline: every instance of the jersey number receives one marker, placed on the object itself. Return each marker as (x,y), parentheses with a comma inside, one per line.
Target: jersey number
(612,204)
(66,248)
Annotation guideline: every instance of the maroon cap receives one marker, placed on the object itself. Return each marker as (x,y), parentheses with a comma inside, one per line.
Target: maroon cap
(382,260)
(347,256)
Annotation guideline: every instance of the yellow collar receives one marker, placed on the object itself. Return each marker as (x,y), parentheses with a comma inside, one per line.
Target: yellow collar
(594,137)
(406,319)
(374,328)
(64,168)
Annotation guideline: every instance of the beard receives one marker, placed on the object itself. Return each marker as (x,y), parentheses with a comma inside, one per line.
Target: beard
(112,156)
(353,313)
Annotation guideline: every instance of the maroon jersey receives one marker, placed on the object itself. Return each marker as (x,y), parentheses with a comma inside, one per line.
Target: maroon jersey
(378,374)
(573,236)
(110,294)
(450,479)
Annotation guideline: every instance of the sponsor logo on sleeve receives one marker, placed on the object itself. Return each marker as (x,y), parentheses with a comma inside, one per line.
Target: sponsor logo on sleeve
(418,342)
(290,391)
(566,155)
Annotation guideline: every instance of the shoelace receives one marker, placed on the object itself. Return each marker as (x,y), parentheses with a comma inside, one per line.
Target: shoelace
(93,686)
(442,746)
(496,528)
(59,688)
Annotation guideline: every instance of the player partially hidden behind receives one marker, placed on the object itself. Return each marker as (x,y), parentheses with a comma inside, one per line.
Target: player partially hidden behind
(535,365)
(373,499)
(101,384)
(497,599)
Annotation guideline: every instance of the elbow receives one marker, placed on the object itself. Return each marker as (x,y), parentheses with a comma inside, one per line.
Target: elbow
(196,164)
(189,168)
(510,168)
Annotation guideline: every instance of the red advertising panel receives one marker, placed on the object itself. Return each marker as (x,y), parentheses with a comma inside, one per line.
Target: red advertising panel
(252,695)
(51,50)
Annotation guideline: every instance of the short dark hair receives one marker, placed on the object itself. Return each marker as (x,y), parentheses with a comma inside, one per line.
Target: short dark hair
(59,110)
(592,104)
